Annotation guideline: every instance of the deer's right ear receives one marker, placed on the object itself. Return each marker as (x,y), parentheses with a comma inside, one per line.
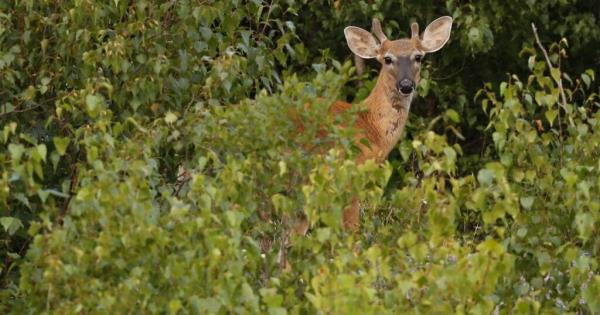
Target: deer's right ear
(361,42)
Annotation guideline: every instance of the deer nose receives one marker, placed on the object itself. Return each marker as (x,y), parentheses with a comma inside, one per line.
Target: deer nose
(406,86)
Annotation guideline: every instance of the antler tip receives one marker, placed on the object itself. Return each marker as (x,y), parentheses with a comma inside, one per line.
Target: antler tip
(378,31)
(414,27)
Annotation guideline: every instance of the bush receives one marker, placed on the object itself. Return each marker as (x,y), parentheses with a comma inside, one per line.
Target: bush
(153,166)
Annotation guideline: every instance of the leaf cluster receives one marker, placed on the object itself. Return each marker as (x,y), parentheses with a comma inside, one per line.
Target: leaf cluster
(157,156)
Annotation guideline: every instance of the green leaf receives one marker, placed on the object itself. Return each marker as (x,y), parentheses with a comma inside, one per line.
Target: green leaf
(551,115)
(42,151)
(527,202)
(45,81)
(11,224)
(43,194)
(93,104)
(170,118)
(174,306)
(491,246)
(531,62)
(277,311)
(453,115)
(591,73)
(485,177)
(282,168)
(555,73)
(586,79)
(474,35)
(545,261)
(9,129)
(585,223)
(591,294)
(16,151)
(206,305)
(54,158)
(61,144)
(323,234)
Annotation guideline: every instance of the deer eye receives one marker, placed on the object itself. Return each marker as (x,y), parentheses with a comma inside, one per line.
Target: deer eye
(388,60)
(418,58)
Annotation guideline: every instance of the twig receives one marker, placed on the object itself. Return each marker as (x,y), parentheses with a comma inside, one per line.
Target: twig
(72,189)
(182,179)
(451,75)
(559,81)
(359,64)
(266,23)
(6,272)
(22,110)
(560,88)
(16,111)
(167,18)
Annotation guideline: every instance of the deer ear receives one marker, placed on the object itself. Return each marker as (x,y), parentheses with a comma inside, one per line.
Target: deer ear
(361,42)
(436,34)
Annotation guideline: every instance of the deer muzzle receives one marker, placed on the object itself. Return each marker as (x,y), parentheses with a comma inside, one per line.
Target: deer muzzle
(405,86)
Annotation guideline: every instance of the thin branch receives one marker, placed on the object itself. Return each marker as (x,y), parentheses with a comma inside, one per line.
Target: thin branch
(20,110)
(451,75)
(266,23)
(559,81)
(560,88)
(37,105)
(167,18)
(182,179)
(359,64)
(72,188)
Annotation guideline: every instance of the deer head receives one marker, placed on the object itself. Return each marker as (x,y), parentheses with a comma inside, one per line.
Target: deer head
(400,59)
(389,102)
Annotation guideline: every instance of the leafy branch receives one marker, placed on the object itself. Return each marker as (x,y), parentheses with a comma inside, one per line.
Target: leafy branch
(558,80)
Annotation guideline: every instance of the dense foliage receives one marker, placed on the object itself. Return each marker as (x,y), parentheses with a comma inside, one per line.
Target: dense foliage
(148,162)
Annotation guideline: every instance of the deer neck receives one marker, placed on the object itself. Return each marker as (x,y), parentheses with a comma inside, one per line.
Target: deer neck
(388,110)
(385,96)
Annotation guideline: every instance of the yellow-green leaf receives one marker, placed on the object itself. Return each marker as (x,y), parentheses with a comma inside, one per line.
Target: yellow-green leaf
(61,144)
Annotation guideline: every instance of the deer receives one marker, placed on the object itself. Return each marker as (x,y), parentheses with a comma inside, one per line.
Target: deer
(388,104)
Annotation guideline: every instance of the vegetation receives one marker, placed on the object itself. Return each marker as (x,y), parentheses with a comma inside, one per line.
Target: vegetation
(148,162)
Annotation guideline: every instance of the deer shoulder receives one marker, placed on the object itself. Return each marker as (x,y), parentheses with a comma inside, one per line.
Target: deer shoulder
(381,125)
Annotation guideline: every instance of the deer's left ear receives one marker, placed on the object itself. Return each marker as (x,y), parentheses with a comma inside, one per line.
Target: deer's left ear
(436,34)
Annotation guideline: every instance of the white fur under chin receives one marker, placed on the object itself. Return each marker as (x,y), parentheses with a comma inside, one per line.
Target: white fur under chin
(406,99)
(410,99)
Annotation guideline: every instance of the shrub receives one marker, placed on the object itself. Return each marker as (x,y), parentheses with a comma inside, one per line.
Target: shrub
(153,167)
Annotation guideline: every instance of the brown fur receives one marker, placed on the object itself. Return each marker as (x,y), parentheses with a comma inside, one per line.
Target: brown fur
(387,109)
(382,124)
